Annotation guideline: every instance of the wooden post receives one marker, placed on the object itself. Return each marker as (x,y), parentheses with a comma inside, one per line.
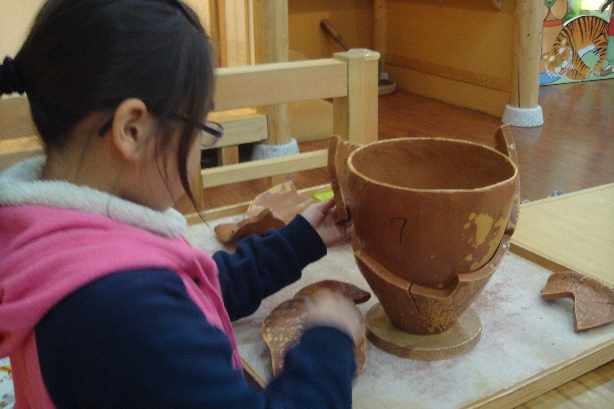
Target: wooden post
(271,45)
(236,27)
(379,30)
(523,109)
(525,80)
(355,117)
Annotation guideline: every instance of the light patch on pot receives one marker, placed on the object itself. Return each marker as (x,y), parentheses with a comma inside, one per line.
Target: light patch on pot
(492,245)
(468,225)
(483,223)
(469,257)
(471,217)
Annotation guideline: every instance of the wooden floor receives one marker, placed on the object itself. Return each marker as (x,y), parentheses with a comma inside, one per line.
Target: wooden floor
(573,150)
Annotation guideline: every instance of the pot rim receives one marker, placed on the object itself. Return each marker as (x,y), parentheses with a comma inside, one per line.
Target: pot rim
(423,138)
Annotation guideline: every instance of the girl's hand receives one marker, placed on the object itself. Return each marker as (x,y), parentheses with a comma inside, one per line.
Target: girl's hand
(321,217)
(333,309)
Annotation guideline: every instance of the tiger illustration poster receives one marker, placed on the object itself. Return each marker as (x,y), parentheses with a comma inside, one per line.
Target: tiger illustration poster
(576,43)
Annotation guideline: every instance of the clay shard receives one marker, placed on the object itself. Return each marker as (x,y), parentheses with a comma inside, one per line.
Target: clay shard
(283,327)
(504,143)
(272,209)
(421,310)
(593,300)
(256,224)
(283,200)
(338,152)
(352,292)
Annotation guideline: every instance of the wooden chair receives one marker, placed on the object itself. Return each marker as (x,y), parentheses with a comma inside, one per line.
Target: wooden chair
(349,79)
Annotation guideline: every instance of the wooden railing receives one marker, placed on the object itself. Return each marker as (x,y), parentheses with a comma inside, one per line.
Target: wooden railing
(350,79)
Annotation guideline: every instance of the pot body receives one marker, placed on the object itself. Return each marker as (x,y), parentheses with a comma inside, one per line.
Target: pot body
(429,209)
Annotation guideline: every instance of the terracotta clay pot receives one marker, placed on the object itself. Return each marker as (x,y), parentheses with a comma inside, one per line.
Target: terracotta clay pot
(426,210)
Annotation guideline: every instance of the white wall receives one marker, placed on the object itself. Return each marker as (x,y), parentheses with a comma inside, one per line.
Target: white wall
(16,17)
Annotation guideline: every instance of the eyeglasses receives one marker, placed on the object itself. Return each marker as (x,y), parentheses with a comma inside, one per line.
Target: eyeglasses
(210,132)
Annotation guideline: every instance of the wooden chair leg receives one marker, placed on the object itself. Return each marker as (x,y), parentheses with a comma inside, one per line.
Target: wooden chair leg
(228,155)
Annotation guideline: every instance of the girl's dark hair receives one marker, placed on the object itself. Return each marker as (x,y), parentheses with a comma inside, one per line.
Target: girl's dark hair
(83,56)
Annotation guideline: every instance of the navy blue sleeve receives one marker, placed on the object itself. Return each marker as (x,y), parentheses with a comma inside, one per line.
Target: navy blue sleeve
(261,266)
(135,339)
(314,361)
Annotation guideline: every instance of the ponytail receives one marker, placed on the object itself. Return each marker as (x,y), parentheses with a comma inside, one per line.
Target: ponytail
(9,78)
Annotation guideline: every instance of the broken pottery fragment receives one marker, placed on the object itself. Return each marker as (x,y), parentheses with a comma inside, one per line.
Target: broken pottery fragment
(338,152)
(283,200)
(283,327)
(272,209)
(593,300)
(350,291)
(256,224)
(504,143)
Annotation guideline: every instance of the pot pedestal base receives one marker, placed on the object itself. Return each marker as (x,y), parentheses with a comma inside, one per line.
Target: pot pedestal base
(460,338)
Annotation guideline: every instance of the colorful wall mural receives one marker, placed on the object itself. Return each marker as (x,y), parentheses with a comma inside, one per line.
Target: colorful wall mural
(577,42)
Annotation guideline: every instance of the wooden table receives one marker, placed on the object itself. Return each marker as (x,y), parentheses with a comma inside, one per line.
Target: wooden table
(540,225)
(574,231)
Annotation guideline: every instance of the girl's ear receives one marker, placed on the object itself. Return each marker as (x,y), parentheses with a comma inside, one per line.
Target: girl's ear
(131,126)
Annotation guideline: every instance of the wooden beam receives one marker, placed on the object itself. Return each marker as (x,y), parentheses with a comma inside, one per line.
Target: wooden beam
(275,83)
(240,126)
(456,74)
(379,31)
(264,168)
(271,46)
(527,53)
(228,156)
(355,117)
(236,32)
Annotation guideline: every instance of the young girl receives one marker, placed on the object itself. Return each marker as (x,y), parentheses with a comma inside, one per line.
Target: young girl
(102,303)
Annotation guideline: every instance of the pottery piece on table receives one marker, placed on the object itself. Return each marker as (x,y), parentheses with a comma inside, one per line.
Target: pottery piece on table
(593,300)
(283,200)
(350,291)
(255,224)
(421,310)
(429,215)
(504,143)
(272,209)
(283,327)
(338,152)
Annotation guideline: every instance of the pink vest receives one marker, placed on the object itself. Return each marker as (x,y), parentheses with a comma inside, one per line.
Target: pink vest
(48,253)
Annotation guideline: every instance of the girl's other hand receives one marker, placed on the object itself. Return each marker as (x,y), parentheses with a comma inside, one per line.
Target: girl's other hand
(333,309)
(321,217)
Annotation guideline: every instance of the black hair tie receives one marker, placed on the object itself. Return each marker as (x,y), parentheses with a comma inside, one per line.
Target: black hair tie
(9,78)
